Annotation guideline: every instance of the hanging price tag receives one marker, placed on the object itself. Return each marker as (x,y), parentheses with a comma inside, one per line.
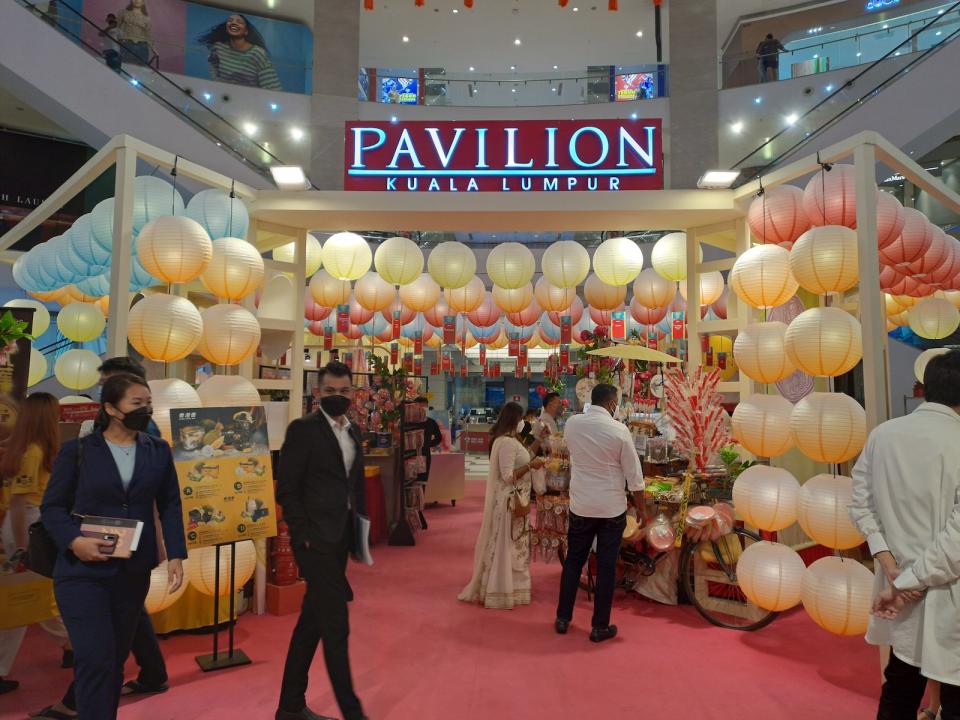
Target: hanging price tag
(396,325)
(709,356)
(418,366)
(348,359)
(408,362)
(529,372)
(566,329)
(483,354)
(652,341)
(434,368)
(496,370)
(463,369)
(619,329)
(677,326)
(522,356)
(394,353)
(705,344)
(722,360)
(328,338)
(447,362)
(418,342)
(514,350)
(518,371)
(343,318)
(449,329)
(564,355)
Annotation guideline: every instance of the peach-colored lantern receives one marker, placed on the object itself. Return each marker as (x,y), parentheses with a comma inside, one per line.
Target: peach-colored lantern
(720,306)
(513,299)
(527,316)
(935,256)
(890,219)
(915,239)
(771,575)
(602,296)
(312,310)
(574,312)
(824,341)
(327,290)
(837,594)
(359,314)
(551,297)
(645,315)
(823,511)
(435,314)
(604,317)
(487,314)
(829,427)
(761,277)
(948,274)
(466,298)
(824,259)
(406,313)
(766,497)
(373,292)
(777,216)
(840,207)
(711,287)
(934,318)
(760,352)
(421,294)
(652,289)
(761,423)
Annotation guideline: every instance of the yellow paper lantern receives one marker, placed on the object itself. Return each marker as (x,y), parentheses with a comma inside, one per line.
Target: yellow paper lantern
(565,263)
(511,265)
(711,287)
(603,296)
(838,594)
(38,367)
(81,322)
(829,427)
(761,423)
(373,292)
(550,297)
(824,260)
(892,305)
(41,316)
(899,320)
(720,344)
(73,294)
(823,512)
(174,249)
(346,256)
(467,298)
(761,277)
(421,294)
(653,290)
(500,342)
(327,291)
(953,296)
(452,264)
(824,341)
(770,574)
(228,391)
(164,327)
(285,253)
(906,301)
(617,261)
(920,365)
(167,395)
(398,260)
(669,256)
(231,334)
(514,299)
(934,318)
(203,567)
(77,369)
(761,353)
(159,596)
(235,270)
(766,497)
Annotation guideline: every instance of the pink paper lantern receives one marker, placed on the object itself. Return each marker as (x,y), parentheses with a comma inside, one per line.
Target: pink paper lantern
(435,315)
(889,277)
(604,317)
(574,312)
(528,316)
(354,332)
(840,207)
(487,314)
(679,303)
(778,216)
(386,335)
(645,315)
(949,269)
(359,314)
(316,328)
(890,219)
(915,239)
(912,288)
(936,255)
(406,314)
(312,310)
(720,306)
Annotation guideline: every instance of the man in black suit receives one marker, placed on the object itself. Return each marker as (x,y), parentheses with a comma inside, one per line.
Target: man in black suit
(320,486)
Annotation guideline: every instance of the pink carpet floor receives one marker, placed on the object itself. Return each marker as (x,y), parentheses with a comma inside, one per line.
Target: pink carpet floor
(419,653)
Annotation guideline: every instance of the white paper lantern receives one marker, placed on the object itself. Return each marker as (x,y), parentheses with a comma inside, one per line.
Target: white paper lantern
(159,597)
(41,316)
(398,260)
(761,277)
(771,575)
(511,265)
(824,260)
(934,318)
(174,249)
(279,298)
(203,567)
(923,359)
(81,322)
(829,427)
(711,287)
(761,354)
(153,197)
(761,423)
(346,256)
(565,264)
(452,264)
(837,594)
(617,261)
(219,214)
(235,269)
(38,367)
(766,497)
(231,334)
(164,327)
(285,253)
(824,341)
(824,511)
(77,369)
(228,391)
(170,394)
(669,256)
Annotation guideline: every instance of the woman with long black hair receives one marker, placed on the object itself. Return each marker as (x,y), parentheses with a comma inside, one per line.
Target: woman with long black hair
(119,471)
(238,54)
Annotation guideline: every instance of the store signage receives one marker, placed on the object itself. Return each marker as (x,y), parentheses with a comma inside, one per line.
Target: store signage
(449,329)
(418,342)
(343,318)
(396,325)
(874,5)
(564,355)
(566,329)
(502,156)
(619,326)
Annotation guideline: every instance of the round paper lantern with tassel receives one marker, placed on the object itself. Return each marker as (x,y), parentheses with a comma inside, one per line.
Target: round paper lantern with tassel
(164,327)
(761,277)
(824,259)
(235,269)
(604,317)
(761,423)
(720,306)
(373,292)
(228,391)
(358,313)
(824,341)
(602,296)
(890,219)
(617,261)
(824,502)
(159,596)
(231,334)
(777,217)
(652,289)
(467,298)
(452,264)
(914,240)
(487,314)
(766,497)
(565,264)
(421,294)
(829,427)
(38,367)
(514,299)
(923,359)
(761,354)
(77,369)
(771,575)
(511,265)
(81,322)
(645,315)
(174,249)
(669,256)
(838,594)
(934,318)
(41,316)
(526,317)
(203,567)
(327,290)
(711,287)
(407,313)
(170,394)
(398,260)
(574,312)
(285,253)
(840,207)
(221,215)
(346,256)
(435,314)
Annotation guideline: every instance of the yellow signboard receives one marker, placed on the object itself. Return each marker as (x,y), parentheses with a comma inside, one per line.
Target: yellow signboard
(26,598)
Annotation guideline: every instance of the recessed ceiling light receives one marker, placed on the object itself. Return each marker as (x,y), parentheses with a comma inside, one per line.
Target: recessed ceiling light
(208,97)
(406,38)
(455,11)
(859,54)
(633,116)
(576,9)
(517,41)
(393,118)
(297,134)
(471,68)
(829,88)
(274,107)
(757,100)
(639,33)
(513,89)
(792,118)
(289,177)
(513,67)
(250,128)
(885,26)
(736,127)
(553,89)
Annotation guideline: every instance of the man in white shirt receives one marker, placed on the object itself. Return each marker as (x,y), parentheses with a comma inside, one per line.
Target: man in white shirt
(906,501)
(552,409)
(604,463)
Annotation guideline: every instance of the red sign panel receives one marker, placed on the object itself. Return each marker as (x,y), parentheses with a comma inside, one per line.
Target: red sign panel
(504,156)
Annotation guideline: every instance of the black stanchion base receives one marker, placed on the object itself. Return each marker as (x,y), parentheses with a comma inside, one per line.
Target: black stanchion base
(402,535)
(222,660)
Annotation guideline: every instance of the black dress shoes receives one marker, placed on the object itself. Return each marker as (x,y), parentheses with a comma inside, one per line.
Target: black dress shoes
(599,634)
(561,626)
(305,714)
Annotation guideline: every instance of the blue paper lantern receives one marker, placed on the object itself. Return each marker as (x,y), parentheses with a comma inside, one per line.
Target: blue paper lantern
(548,329)
(375,326)
(22,275)
(43,268)
(101,223)
(154,197)
(139,277)
(85,250)
(96,286)
(219,214)
(418,324)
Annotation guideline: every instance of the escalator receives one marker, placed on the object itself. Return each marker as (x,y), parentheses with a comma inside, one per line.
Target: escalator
(49,62)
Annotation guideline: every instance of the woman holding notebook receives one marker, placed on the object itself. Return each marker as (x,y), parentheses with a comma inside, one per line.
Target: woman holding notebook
(115,475)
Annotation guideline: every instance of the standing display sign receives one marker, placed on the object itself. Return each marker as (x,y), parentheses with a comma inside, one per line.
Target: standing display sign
(504,156)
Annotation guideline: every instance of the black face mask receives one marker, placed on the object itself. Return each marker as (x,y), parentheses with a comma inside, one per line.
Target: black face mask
(138,419)
(335,405)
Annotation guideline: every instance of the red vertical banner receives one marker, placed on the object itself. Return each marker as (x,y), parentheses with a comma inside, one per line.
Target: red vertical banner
(522,356)
(418,366)
(418,342)
(705,344)
(483,354)
(678,326)
(529,371)
(514,350)
(434,368)
(408,362)
(518,371)
(722,360)
(463,368)
(447,362)
(328,339)
(564,356)
(394,353)
(708,356)
(566,329)
(619,329)
(449,329)
(396,325)
(343,318)
(348,359)
(496,370)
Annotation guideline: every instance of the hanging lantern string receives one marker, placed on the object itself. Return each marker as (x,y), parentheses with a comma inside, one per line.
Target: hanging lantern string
(233,194)
(173,195)
(763,206)
(824,169)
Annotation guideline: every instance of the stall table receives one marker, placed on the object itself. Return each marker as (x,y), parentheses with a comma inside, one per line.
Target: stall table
(475,438)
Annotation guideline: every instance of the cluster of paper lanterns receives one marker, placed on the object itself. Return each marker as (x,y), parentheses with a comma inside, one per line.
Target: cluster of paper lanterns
(835,592)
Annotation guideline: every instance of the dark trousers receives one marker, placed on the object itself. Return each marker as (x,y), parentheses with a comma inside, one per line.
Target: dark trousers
(608,533)
(903,692)
(146,651)
(323,617)
(100,615)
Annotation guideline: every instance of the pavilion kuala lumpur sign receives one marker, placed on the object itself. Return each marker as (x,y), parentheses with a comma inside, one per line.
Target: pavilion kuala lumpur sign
(499,156)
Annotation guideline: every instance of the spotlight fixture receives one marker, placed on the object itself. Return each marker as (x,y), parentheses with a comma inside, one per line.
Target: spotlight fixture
(516,41)
(406,38)
(717,179)
(289,177)
(297,134)
(737,127)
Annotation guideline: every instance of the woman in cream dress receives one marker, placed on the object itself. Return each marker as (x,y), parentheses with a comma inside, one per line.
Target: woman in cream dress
(501,563)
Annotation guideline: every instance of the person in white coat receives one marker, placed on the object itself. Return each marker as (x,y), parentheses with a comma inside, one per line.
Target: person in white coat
(906,501)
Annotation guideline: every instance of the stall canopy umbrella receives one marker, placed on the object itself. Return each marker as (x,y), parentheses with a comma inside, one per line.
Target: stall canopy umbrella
(634,352)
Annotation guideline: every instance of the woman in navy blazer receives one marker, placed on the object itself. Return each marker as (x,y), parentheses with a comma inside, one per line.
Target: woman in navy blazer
(122,472)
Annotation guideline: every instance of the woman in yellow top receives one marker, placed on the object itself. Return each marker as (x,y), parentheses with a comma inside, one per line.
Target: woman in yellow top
(25,470)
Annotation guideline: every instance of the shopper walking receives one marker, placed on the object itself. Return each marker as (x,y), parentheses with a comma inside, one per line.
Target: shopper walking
(906,486)
(551,412)
(501,560)
(768,58)
(320,486)
(122,472)
(603,465)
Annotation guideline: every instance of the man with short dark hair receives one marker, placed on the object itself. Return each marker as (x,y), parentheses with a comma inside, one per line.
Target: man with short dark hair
(320,488)
(906,501)
(603,465)
(552,409)
(768,58)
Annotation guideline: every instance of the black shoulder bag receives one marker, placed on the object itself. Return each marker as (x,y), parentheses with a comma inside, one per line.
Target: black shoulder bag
(42,551)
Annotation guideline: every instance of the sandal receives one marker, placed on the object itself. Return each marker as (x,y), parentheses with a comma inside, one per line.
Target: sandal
(135,687)
(48,713)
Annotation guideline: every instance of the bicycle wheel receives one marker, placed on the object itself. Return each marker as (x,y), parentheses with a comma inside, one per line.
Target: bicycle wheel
(709,574)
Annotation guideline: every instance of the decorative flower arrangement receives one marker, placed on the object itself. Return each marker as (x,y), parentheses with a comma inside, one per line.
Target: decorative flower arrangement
(377,408)
(11,330)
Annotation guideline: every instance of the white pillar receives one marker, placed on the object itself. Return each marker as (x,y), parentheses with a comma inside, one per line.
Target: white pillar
(693,301)
(126,172)
(296,348)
